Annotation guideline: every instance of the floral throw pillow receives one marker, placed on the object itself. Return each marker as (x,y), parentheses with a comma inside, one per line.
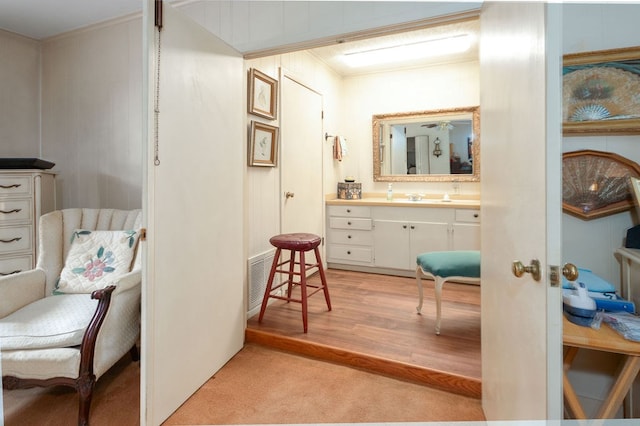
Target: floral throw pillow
(95,259)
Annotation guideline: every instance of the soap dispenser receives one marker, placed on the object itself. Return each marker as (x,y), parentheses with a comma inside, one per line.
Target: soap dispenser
(389,192)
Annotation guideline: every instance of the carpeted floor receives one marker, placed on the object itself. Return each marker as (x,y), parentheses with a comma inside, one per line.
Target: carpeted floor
(261,385)
(257,386)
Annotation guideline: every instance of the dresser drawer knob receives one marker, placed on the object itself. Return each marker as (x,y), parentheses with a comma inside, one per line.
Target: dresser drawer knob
(349,236)
(348,210)
(11,211)
(476,215)
(349,252)
(349,223)
(11,240)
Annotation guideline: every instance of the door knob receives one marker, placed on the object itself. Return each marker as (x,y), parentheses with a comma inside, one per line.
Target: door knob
(519,269)
(570,271)
(288,195)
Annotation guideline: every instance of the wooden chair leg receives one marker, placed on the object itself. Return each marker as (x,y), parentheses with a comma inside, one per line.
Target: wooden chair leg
(303,289)
(323,279)
(85,385)
(267,291)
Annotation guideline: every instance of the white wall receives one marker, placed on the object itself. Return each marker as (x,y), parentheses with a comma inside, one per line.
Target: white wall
(263,183)
(591,244)
(19,96)
(92,114)
(420,89)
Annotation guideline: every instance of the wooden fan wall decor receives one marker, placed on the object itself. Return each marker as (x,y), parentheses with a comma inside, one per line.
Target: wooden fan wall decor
(596,184)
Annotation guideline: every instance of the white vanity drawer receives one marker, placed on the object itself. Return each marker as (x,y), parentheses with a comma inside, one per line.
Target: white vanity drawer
(467,215)
(357,237)
(350,211)
(350,253)
(15,238)
(15,211)
(349,223)
(15,185)
(14,265)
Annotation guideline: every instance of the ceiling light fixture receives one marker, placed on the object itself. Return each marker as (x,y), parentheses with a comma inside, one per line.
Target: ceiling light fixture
(410,51)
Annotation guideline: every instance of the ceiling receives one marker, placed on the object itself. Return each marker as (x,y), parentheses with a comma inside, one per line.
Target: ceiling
(331,55)
(40,19)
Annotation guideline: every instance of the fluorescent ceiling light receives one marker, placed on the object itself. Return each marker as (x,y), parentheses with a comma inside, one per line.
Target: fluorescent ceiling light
(409,51)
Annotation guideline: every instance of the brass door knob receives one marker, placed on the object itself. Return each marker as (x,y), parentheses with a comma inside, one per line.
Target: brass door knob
(570,271)
(519,269)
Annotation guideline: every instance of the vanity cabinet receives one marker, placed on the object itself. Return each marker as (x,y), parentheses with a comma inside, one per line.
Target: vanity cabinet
(24,196)
(401,234)
(349,235)
(388,239)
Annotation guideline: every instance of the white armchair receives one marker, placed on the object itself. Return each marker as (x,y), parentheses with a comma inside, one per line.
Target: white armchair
(69,339)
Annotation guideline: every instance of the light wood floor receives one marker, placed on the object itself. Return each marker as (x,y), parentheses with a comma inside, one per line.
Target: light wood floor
(374,326)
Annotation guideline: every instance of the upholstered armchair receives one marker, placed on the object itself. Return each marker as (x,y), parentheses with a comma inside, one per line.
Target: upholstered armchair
(76,314)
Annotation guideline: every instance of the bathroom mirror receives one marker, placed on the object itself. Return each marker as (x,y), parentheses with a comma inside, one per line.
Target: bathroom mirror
(427,146)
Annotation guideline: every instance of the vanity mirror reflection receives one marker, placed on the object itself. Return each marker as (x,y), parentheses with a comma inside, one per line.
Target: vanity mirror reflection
(427,146)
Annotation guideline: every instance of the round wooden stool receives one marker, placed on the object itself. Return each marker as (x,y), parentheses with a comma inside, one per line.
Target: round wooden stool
(295,243)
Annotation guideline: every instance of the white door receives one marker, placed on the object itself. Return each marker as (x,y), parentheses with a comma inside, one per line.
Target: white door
(521,209)
(301,142)
(193,320)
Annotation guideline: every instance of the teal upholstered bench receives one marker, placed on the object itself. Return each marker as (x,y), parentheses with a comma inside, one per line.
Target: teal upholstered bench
(442,266)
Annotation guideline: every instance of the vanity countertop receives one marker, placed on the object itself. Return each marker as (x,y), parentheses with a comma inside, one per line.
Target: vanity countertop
(401,200)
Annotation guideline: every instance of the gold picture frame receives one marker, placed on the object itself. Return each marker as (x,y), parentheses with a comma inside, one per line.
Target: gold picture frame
(599,91)
(634,188)
(263,145)
(263,95)
(594,183)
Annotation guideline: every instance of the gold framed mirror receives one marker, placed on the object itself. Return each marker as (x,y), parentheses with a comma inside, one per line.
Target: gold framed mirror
(427,146)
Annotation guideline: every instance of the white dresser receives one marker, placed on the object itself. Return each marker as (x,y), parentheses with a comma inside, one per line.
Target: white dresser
(24,196)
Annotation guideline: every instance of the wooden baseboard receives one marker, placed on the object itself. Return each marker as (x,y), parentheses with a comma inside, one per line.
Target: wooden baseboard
(448,382)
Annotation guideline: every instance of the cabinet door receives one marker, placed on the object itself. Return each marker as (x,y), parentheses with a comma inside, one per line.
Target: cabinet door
(466,236)
(427,236)
(391,244)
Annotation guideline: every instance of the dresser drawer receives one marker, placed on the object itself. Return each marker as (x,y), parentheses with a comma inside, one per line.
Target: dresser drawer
(357,237)
(350,211)
(15,185)
(467,215)
(349,223)
(15,211)
(15,238)
(15,265)
(350,253)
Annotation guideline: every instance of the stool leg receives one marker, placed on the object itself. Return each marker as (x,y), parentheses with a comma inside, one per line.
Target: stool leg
(303,290)
(323,279)
(292,263)
(267,291)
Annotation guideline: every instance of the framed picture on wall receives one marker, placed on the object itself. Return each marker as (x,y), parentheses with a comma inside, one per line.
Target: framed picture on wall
(263,141)
(600,92)
(263,94)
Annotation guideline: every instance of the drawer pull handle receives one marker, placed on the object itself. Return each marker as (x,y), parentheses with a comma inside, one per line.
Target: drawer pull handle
(413,227)
(404,226)
(349,223)
(11,240)
(349,252)
(348,210)
(476,215)
(3,274)
(349,236)
(11,211)
(15,185)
